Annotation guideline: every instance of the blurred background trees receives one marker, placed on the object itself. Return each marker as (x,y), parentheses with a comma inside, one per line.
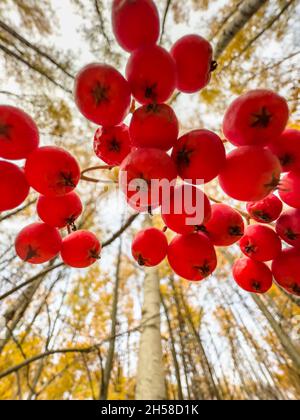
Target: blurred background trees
(67,334)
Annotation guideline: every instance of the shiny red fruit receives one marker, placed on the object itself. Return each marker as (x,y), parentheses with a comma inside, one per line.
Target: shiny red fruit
(187,210)
(255,118)
(135,23)
(52,171)
(102,94)
(155,126)
(112,144)
(287,148)
(199,155)
(38,243)
(192,256)
(193,58)
(266,210)
(149,247)
(226,225)
(252,276)
(80,249)
(14,187)
(289,189)
(59,211)
(140,174)
(288,227)
(250,173)
(151,74)
(19,135)
(260,243)
(285,269)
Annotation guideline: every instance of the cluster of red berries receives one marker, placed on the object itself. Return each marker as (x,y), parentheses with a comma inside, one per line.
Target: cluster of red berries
(149,149)
(52,172)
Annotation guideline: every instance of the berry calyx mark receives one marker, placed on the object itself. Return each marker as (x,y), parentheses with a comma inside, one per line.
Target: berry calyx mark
(141,260)
(201,228)
(213,66)
(273,184)
(5,130)
(183,157)
(296,289)
(204,269)
(152,108)
(291,235)
(31,253)
(250,248)
(114,145)
(256,285)
(150,92)
(261,119)
(235,231)
(286,159)
(67,180)
(94,254)
(100,93)
(262,216)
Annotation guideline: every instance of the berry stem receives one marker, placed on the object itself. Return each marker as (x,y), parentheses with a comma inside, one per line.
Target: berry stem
(95,168)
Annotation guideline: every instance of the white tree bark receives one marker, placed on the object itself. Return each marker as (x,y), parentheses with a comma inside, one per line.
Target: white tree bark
(150,374)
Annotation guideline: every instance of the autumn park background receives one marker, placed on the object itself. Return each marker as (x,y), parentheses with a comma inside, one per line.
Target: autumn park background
(85,334)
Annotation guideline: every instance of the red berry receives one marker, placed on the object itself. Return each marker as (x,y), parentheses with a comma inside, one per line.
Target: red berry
(285,269)
(289,189)
(112,144)
(52,171)
(14,187)
(59,211)
(38,243)
(260,243)
(287,148)
(187,204)
(80,249)
(139,171)
(252,276)
(19,134)
(149,247)
(288,227)
(193,58)
(192,256)
(226,225)
(255,118)
(102,94)
(199,155)
(250,173)
(151,74)
(154,125)
(266,210)
(135,23)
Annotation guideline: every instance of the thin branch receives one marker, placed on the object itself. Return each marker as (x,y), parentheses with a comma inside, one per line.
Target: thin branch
(168,4)
(102,24)
(13,213)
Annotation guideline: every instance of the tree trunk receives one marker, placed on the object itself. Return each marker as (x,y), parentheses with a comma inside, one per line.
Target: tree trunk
(150,383)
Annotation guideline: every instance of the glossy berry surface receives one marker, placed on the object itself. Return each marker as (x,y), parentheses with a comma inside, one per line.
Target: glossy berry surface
(289,189)
(255,118)
(80,249)
(188,209)
(112,144)
(288,227)
(138,170)
(260,243)
(287,148)
(192,256)
(135,23)
(285,269)
(38,243)
(226,225)
(252,276)
(250,173)
(266,210)
(102,94)
(14,187)
(59,211)
(19,135)
(52,171)
(193,57)
(155,126)
(151,74)
(199,155)
(149,247)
